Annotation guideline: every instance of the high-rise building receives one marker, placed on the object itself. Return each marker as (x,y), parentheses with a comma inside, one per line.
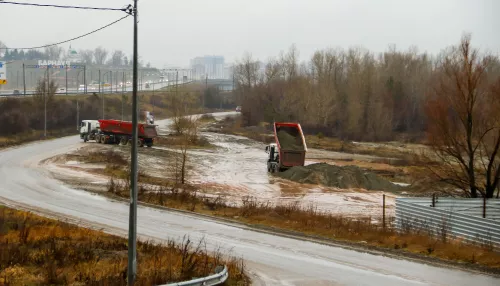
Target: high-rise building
(211,66)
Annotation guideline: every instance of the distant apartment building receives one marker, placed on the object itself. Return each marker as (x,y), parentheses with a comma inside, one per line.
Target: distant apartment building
(211,66)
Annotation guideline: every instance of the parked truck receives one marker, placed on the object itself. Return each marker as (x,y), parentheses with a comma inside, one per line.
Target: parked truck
(108,131)
(289,149)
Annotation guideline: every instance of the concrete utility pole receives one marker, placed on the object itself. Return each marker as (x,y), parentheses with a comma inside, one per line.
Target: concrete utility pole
(45,104)
(123,91)
(132,231)
(24,80)
(77,116)
(66,68)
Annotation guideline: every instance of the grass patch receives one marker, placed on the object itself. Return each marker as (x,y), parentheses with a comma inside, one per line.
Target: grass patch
(40,251)
(195,142)
(18,139)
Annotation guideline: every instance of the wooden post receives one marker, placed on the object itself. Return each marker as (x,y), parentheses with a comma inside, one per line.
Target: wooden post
(383,211)
(484,207)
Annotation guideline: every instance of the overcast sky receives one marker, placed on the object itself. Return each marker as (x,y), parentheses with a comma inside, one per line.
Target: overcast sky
(173,32)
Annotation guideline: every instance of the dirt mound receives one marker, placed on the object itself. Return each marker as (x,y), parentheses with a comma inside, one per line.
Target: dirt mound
(341,177)
(290,139)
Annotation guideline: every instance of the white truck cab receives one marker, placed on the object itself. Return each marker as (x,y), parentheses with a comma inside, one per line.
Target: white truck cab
(273,159)
(88,129)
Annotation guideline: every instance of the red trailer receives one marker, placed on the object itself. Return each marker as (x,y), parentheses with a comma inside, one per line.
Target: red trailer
(120,132)
(290,147)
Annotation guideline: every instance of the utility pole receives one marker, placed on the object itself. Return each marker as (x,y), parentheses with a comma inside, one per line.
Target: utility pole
(24,80)
(66,68)
(45,105)
(123,91)
(77,115)
(85,79)
(132,231)
(177,84)
(206,91)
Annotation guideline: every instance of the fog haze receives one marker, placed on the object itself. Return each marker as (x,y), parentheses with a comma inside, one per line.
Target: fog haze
(173,32)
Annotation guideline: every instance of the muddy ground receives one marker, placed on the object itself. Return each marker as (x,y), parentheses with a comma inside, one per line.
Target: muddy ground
(234,167)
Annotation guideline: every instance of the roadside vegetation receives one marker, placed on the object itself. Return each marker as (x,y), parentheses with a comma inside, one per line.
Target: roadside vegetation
(40,251)
(169,190)
(22,119)
(295,219)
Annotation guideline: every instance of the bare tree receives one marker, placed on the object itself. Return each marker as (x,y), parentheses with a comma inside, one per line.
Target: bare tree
(87,56)
(53,53)
(44,97)
(117,58)
(186,130)
(100,55)
(3,48)
(464,111)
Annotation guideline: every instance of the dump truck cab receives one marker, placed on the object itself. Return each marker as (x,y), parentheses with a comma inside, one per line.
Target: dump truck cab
(88,129)
(273,159)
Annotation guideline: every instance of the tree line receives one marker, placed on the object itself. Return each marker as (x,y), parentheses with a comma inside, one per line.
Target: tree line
(450,101)
(353,94)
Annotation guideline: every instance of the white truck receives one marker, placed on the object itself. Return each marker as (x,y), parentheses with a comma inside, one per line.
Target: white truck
(89,129)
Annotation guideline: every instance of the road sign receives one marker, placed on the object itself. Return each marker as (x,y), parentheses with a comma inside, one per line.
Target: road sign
(3,73)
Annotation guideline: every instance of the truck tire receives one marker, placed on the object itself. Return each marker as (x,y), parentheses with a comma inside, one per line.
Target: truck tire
(103,139)
(149,144)
(97,138)
(123,141)
(140,143)
(85,138)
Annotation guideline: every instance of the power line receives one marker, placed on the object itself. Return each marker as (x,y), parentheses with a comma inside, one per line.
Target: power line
(76,38)
(126,9)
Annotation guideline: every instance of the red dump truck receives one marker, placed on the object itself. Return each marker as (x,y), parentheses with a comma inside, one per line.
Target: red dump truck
(290,147)
(116,132)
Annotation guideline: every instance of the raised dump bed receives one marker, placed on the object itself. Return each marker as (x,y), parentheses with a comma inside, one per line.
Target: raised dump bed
(291,144)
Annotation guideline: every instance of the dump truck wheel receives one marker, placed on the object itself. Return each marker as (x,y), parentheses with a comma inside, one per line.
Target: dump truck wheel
(103,140)
(149,145)
(85,138)
(123,141)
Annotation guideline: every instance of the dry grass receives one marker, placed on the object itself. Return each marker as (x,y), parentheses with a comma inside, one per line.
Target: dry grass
(22,138)
(309,220)
(197,142)
(40,251)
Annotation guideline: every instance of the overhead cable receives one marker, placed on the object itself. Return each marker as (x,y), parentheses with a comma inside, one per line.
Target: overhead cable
(76,38)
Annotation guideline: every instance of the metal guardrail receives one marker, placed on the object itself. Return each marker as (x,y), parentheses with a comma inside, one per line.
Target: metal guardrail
(410,215)
(215,279)
(471,207)
(90,91)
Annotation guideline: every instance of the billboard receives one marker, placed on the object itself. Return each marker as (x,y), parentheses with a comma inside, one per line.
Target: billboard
(3,73)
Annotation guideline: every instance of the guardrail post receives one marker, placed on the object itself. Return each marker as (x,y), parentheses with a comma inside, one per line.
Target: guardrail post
(433,200)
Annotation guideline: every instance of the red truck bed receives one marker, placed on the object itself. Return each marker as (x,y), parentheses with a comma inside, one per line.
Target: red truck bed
(125,127)
(291,144)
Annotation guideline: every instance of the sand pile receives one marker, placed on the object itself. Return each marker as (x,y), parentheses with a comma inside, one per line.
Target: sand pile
(290,139)
(341,177)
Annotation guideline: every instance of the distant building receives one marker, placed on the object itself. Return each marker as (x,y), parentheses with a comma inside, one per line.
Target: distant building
(211,66)
(72,55)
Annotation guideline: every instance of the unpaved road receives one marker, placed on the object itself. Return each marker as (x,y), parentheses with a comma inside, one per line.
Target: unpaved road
(272,260)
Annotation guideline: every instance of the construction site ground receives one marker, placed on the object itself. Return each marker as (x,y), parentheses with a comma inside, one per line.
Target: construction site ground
(233,167)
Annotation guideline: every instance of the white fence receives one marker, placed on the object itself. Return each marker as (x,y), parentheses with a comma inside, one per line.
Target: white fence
(458,218)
